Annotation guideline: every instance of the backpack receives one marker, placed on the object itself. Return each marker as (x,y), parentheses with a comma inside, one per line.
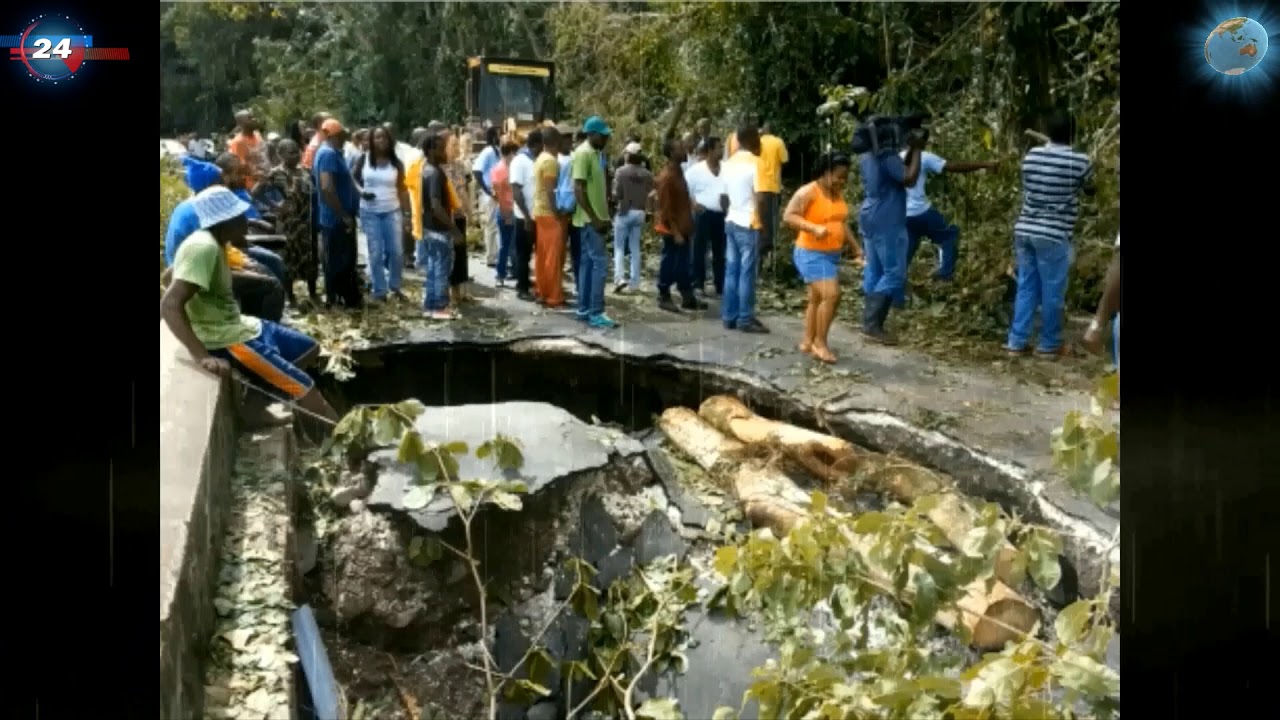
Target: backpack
(566,201)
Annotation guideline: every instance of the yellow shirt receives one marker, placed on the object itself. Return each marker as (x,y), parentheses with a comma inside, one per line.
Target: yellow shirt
(546,170)
(773,154)
(413,183)
(236,257)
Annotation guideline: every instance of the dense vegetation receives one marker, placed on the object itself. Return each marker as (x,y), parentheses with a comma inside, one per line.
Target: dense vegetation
(986,71)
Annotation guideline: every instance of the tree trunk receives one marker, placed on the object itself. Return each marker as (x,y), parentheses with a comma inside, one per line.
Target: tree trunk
(770,499)
(834,461)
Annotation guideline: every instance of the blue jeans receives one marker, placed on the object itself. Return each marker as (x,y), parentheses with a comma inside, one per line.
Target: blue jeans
(674,268)
(506,237)
(1042,267)
(591,269)
(575,250)
(885,258)
(626,236)
(1115,339)
(435,255)
(271,261)
(386,253)
(738,305)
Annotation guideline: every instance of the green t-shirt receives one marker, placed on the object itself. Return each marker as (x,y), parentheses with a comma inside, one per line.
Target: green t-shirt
(586,166)
(213,312)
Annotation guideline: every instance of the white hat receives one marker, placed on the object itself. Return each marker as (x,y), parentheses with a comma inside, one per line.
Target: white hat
(217,204)
(633,148)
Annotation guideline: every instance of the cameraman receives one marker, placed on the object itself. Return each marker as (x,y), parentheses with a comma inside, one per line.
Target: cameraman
(883,220)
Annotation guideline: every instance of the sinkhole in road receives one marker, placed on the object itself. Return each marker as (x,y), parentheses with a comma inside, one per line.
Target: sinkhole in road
(392,623)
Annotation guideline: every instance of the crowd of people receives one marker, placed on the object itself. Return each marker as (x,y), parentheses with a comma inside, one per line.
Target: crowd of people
(546,201)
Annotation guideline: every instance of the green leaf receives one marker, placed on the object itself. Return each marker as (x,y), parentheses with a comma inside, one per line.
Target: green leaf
(455,448)
(540,666)
(577,669)
(1046,571)
(1072,623)
(416,498)
(817,503)
(724,712)
(505,500)
(996,684)
(726,560)
(1086,675)
(410,408)
(981,542)
(927,504)
(924,604)
(870,522)
(660,709)
(415,547)
(943,687)
(387,428)
(462,497)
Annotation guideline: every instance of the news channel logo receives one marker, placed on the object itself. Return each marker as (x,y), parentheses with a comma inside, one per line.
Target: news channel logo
(53,49)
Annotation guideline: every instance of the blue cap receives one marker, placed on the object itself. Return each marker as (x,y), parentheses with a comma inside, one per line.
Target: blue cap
(596,126)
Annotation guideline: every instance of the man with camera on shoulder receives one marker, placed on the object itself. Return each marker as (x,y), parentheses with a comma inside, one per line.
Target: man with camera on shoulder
(886,176)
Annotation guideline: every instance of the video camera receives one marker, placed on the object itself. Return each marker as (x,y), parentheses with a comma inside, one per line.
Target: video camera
(888,133)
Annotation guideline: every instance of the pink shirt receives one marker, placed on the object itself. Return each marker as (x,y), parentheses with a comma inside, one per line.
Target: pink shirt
(500,181)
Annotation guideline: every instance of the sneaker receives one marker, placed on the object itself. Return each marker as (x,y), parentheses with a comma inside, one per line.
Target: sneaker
(398,295)
(525,296)
(618,287)
(441,315)
(668,304)
(693,303)
(730,325)
(1016,352)
(754,327)
(602,321)
(1059,353)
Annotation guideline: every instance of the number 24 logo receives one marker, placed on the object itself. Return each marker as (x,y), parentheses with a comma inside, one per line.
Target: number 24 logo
(45,48)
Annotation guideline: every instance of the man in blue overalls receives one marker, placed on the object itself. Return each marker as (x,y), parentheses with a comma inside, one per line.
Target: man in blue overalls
(883,221)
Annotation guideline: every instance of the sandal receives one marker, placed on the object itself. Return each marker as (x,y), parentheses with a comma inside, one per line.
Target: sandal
(824,355)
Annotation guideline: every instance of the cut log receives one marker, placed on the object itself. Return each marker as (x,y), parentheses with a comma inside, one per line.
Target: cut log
(828,458)
(835,460)
(701,442)
(771,499)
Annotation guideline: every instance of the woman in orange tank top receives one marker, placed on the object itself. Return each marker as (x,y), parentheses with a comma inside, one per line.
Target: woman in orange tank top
(820,215)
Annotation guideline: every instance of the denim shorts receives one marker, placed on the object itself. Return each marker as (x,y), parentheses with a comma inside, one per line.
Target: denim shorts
(815,265)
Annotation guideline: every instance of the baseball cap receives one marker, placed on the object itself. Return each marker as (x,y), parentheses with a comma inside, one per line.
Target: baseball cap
(331,127)
(217,204)
(632,148)
(596,126)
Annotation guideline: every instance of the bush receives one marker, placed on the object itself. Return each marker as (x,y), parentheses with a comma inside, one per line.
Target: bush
(173,190)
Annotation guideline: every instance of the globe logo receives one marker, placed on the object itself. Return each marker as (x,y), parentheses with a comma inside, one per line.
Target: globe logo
(1236,46)
(53,48)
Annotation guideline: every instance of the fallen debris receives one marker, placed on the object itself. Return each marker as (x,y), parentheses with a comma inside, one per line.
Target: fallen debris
(838,462)
(771,499)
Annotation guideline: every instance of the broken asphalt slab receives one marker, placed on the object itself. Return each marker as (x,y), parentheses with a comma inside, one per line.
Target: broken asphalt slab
(555,445)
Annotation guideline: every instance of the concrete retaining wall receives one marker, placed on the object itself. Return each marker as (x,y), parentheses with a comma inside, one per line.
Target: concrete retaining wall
(197,451)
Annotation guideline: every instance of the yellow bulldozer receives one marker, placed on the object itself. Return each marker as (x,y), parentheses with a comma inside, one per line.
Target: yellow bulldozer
(512,94)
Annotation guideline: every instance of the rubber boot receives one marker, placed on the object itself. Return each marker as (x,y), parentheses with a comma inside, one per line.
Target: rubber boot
(874,313)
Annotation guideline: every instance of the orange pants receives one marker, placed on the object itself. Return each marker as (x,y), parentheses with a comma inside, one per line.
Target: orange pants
(549,260)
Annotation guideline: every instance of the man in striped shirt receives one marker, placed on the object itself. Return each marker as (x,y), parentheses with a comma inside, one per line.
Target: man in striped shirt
(1053,177)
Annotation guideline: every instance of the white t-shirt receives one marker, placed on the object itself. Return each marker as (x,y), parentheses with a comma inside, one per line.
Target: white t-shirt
(521,173)
(381,181)
(705,187)
(739,176)
(930,164)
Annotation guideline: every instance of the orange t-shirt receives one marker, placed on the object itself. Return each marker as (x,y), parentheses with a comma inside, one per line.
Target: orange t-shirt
(833,214)
(250,151)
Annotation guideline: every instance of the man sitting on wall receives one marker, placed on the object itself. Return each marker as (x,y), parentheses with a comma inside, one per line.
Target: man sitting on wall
(258,290)
(199,309)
